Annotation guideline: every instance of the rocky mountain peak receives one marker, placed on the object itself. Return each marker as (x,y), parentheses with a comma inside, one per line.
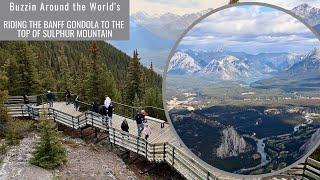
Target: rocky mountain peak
(232,144)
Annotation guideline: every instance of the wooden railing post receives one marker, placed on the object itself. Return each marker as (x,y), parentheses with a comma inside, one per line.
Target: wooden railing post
(164,152)
(173,148)
(22,106)
(154,152)
(78,121)
(138,144)
(146,149)
(72,122)
(114,136)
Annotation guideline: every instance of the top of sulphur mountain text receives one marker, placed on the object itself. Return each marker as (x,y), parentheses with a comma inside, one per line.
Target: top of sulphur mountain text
(76,7)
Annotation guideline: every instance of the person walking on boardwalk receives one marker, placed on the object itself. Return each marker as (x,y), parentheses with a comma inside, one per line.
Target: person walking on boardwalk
(125,126)
(146,131)
(50,98)
(107,102)
(25,99)
(67,96)
(109,113)
(95,107)
(140,119)
(103,112)
(76,103)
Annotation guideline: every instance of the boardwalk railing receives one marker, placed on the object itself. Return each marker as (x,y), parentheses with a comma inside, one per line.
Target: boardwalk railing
(154,152)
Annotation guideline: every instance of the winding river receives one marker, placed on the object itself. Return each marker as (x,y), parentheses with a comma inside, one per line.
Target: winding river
(260,146)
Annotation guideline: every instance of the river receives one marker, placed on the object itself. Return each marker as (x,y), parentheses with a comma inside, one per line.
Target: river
(260,146)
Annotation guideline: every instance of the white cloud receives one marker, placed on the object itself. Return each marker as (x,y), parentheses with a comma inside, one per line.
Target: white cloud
(174,6)
(287,4)
(190,6)
(251,29)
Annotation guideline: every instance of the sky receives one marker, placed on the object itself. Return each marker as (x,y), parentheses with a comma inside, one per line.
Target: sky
(251,29)
(191,6)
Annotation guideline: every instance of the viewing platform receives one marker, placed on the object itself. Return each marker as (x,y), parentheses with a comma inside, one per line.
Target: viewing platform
(162,145)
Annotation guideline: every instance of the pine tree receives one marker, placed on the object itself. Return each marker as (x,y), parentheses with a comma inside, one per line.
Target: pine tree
(65,74)
(151,66)
(25,72)
(100,80)
(135,80)
(3,95)
(49,151)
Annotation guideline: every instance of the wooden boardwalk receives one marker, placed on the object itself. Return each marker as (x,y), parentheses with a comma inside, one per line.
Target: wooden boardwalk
(162,146)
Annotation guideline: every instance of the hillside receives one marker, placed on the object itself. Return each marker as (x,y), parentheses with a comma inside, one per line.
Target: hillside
(35,67)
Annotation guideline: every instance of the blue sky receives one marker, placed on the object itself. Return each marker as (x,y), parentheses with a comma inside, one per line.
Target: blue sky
(251,29)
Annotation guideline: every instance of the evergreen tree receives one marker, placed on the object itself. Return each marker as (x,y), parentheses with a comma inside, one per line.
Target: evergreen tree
(64,74)
(101,81)
(151,66)
(3,96)
(135,80)
(25,73)
(49,151)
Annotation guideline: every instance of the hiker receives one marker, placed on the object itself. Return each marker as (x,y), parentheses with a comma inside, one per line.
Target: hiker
(103,113)
(67,96)
(95,107)
(76,103)
(50,98)
(109,113)
(107,102)
(25,99)
(140,119)
(125,126)
(146,131)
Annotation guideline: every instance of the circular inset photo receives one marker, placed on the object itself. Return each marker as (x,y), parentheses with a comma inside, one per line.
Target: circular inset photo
(242,89)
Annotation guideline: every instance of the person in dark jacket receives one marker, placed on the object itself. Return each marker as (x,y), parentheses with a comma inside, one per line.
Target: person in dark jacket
(139,120)
(109,113)
(103,111)
(76,103)
(95,107)
(67,96)
(50,98)
(125,126)
(25,99)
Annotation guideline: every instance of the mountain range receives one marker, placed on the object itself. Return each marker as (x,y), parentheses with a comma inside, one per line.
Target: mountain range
(304,75)
(227,65)
(310,14)
(154,35)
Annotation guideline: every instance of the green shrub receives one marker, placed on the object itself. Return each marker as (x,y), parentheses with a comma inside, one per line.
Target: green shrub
(49,151)
(16,129)
(3,148)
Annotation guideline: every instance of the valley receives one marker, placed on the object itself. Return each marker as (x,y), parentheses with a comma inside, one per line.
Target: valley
(252,117)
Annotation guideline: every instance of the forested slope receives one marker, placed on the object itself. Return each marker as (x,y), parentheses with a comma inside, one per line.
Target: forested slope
(90,69)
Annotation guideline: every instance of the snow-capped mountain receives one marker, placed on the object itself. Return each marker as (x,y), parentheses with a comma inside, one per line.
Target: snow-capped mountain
(167,25)
(227,68)
(182,63)
(304,75)
(310,65)
(310,14)
(225,65)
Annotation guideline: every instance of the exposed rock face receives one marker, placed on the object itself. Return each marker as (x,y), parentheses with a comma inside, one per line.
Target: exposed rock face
(232,144)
